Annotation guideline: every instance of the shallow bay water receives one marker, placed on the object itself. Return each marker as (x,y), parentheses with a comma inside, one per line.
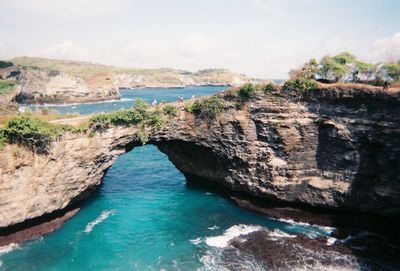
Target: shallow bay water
(146,217)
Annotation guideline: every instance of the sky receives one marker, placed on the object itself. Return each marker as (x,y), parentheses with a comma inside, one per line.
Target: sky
(260,38)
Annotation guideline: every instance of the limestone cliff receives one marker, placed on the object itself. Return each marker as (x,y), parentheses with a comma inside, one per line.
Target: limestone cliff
(333,147)
(40,85)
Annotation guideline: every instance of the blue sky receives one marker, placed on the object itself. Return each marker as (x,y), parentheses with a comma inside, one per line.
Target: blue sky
(262,38)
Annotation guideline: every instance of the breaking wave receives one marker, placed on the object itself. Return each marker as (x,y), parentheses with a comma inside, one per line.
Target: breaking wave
(325,229)
(103,216)
(230,233)
(7,249)
(220,255)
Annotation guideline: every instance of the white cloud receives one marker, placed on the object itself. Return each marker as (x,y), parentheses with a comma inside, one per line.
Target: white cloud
(268,59)
(66,50)
(197,42)
(274,7)
(63,8)
(387,49)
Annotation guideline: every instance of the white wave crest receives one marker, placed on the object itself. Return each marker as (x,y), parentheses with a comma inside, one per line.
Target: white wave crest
(230,233)
(8,248)
(326,229)
(103,216)
(225,259)
(73,104)
(196,241)
(330,241)
(215,227)
(278,234)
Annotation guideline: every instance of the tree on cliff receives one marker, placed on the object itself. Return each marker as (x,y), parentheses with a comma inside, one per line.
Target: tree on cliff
(345,67)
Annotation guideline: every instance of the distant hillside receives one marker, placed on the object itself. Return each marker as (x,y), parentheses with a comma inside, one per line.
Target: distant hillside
(52,80)
(133,77)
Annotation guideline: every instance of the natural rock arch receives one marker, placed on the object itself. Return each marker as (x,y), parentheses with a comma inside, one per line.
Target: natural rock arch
(276,147)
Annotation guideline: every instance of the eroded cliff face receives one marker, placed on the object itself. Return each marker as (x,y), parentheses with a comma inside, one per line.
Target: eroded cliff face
(38,85)
(334,148)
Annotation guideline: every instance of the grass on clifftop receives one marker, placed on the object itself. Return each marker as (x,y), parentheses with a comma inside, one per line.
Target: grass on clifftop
(44,114)
(6,87)
(31,132)
(139,114)
(170,110)
(208,107)
(299,86)
(35,133)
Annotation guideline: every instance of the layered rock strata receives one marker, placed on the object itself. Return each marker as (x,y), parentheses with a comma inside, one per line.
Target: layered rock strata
(334,148)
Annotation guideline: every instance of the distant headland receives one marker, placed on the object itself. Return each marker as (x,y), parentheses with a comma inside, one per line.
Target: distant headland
(42,80)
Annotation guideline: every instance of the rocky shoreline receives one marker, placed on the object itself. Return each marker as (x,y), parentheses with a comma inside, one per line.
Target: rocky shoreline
(288,252)
(35,227)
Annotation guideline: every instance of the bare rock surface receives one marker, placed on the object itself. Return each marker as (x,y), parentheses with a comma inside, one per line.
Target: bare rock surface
(39,85)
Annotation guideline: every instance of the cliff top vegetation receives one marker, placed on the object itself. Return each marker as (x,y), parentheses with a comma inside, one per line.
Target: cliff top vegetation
(346,68)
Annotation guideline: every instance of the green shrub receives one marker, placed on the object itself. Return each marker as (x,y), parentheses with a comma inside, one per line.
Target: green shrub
(188,107)
(247,91)
(170,110)
(229,95)
(208,107)
(239,105)
(268,88)
(392,70)
(299,85)
(122,117)
(128,117)
(154,119)
(33,133)
(141,105)
(5,64)
(80,128)
(6,87)
(143,136)
(3,138)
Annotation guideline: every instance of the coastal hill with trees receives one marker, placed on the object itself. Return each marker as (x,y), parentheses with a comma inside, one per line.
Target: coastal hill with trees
(346,68)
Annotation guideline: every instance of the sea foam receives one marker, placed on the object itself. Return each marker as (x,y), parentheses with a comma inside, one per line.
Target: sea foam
(326,229)
(8,248)
(103,216)
(230,233)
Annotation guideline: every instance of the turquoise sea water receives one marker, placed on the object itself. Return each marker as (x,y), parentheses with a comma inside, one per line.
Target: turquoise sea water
(128,97)
(146,217)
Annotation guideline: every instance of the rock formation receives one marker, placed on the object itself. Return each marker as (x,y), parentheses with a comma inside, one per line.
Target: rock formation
(168,78)
(39,85)
(334,147)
